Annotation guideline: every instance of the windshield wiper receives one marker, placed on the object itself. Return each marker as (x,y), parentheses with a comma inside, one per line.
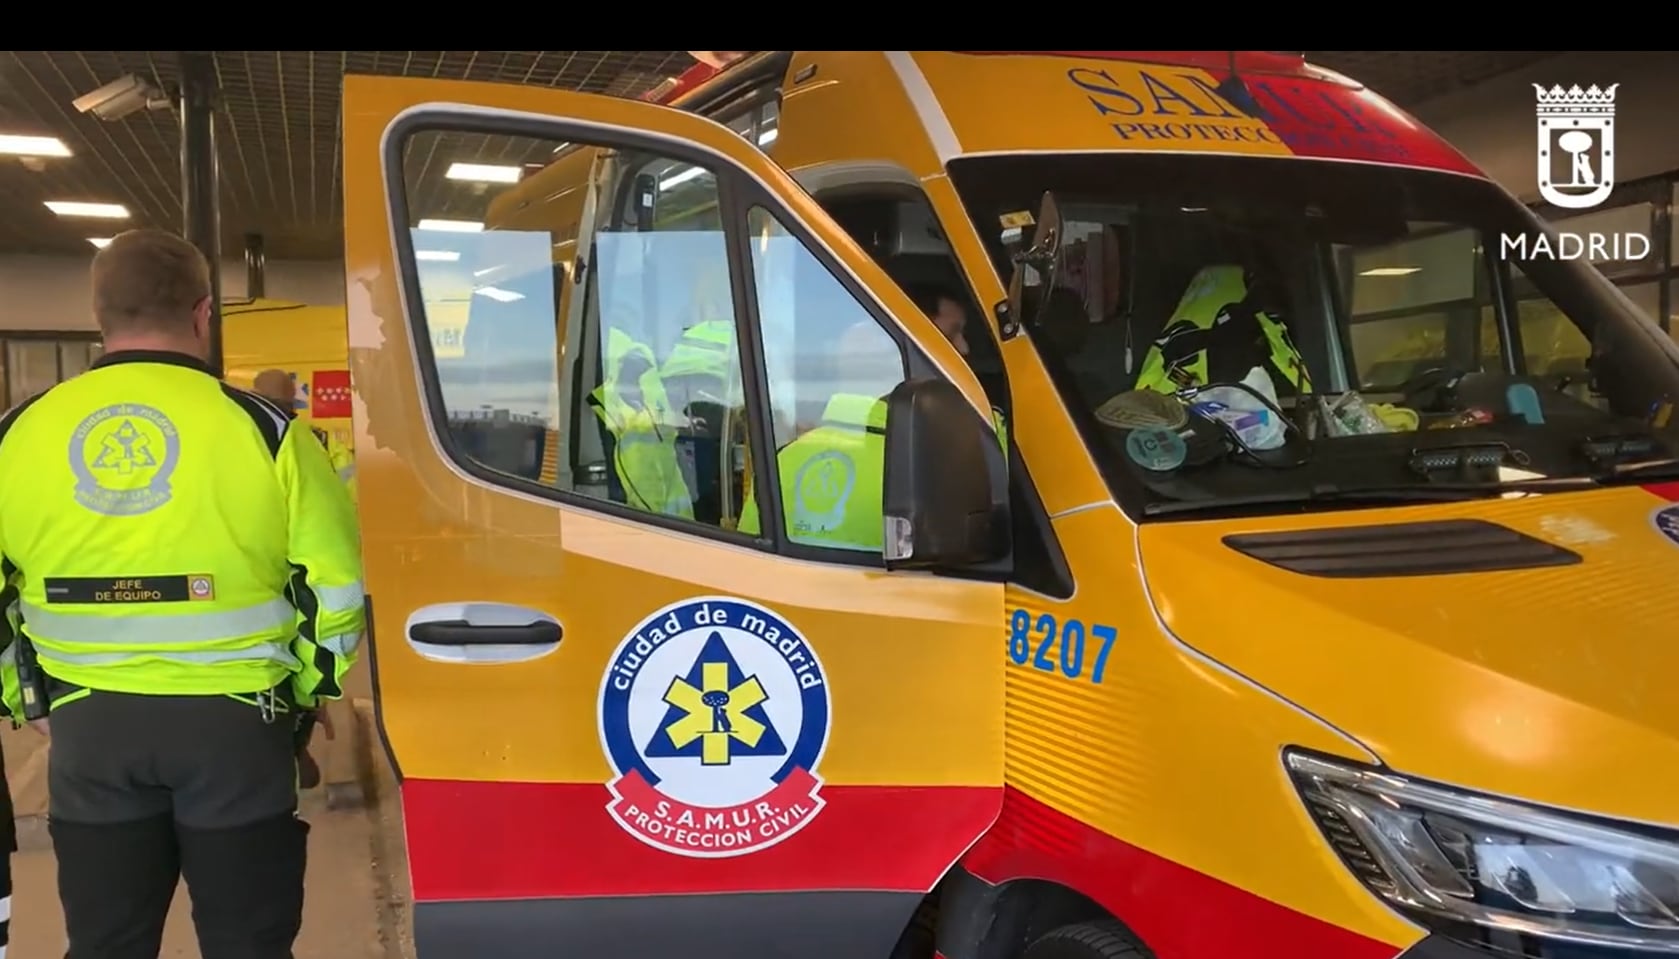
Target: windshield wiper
(1329,493)
(1643,472)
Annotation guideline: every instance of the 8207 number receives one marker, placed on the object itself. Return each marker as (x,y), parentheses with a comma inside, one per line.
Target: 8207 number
(1060,647)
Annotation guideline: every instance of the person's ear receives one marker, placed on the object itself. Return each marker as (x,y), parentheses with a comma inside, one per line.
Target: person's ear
(201,319)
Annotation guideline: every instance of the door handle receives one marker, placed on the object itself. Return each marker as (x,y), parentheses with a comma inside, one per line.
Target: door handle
(460,632)
(477,632)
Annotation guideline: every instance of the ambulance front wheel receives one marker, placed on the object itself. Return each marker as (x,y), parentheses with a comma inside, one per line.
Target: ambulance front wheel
(1087,940)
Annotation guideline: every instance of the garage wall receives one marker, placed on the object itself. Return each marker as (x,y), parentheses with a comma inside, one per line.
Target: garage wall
(51,292)
(1494,123)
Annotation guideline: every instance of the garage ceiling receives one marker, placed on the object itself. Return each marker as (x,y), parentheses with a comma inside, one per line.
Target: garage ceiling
(278,128)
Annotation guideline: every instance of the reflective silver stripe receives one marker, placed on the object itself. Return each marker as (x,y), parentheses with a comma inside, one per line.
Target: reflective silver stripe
(339,599)
(347,472)
(261,652)
(342,645)
(158,630)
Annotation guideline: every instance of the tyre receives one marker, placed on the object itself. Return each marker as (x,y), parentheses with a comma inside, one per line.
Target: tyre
(1087,940)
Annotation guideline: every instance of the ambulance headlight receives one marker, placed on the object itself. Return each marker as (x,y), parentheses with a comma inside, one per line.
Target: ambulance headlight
(1452,860)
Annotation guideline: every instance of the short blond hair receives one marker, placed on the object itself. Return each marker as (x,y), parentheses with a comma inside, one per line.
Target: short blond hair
(148,281)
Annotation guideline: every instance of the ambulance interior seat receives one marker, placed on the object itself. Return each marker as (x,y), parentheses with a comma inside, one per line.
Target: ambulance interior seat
(1168,253)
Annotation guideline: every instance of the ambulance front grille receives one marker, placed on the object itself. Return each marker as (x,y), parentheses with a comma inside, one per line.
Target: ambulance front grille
(1401,549)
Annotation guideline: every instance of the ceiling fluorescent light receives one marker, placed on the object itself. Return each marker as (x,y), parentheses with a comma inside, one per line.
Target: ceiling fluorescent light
(485,172)
(17,145)
(437,256)
(451,226)
(100,241)
(102,211)
(672,182)
(498,294)
(1392,271)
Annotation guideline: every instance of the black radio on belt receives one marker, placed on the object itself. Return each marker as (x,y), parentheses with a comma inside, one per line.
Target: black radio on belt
(32,683)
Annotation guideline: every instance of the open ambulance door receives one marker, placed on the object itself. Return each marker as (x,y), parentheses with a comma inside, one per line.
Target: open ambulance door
(628,719)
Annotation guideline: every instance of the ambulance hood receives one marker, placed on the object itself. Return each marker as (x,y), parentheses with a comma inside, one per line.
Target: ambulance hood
(1551,683)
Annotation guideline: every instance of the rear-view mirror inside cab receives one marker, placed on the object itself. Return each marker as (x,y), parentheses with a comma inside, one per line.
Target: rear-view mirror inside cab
(1034,263)
(945,484)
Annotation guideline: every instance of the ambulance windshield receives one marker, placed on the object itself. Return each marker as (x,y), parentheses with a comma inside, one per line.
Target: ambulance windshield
(1251,333)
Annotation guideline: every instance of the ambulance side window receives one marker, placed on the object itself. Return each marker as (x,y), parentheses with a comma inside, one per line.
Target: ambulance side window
(665,401)
(603,363)
(830,365)
(582,340)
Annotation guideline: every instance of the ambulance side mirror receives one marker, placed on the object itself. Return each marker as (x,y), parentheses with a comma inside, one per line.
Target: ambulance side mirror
(945,486)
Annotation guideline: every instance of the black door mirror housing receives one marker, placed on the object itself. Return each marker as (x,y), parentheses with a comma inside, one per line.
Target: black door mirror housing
(945,486)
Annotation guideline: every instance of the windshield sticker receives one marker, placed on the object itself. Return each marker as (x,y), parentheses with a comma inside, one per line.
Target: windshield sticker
(715,713)
(1156,448)
(1666,522)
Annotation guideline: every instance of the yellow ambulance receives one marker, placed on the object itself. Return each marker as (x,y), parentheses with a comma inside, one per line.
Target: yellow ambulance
(1228,657)
(307,342)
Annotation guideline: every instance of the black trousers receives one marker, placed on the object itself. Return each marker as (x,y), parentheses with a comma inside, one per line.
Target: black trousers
(146,790)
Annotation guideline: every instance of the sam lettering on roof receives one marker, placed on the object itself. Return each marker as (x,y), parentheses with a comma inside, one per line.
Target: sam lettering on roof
(1112,104)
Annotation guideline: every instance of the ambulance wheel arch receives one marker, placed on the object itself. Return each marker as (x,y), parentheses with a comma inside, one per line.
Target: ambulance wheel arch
(575,811)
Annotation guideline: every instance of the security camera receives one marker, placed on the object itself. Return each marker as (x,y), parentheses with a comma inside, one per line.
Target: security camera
(121,98)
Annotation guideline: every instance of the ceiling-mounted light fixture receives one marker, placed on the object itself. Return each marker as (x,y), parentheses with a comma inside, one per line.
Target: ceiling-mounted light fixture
(451,226)
(17,144)
(97,211)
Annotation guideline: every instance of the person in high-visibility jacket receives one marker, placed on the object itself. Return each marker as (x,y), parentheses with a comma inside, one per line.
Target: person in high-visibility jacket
(704,351)
(701,382)
(832,476)
(631,403)
(279,386)
(183,570)
(1228,321)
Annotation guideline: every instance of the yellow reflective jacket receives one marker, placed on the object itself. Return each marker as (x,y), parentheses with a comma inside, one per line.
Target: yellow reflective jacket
(165,533)
(342,459)
(705,349)
(637,413)
(831,478)
(1179,358)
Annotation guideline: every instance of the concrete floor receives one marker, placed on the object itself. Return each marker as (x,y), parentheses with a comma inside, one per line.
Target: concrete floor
(355,904)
